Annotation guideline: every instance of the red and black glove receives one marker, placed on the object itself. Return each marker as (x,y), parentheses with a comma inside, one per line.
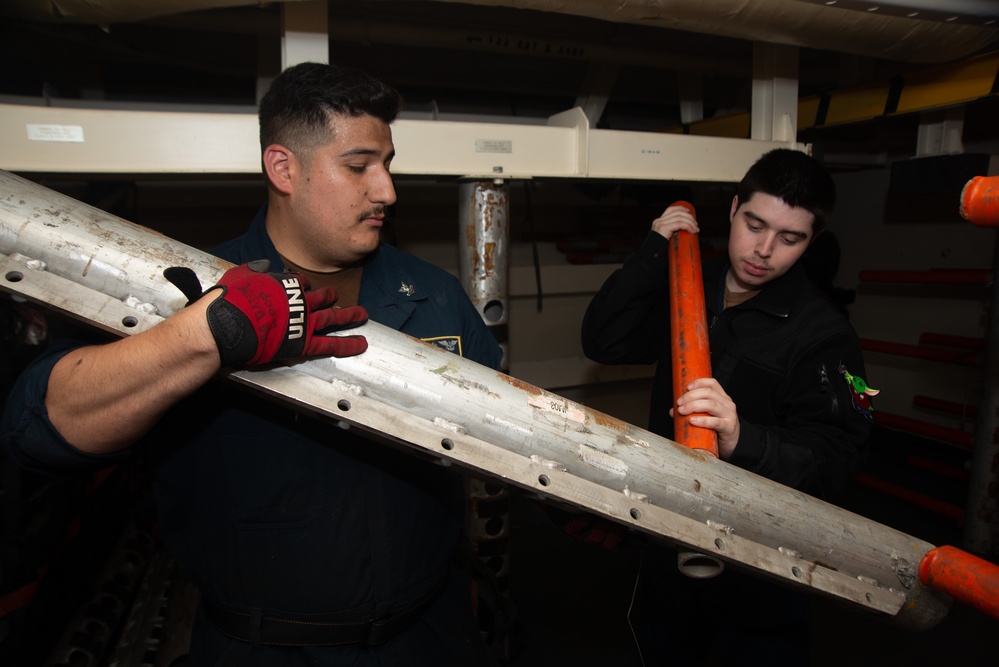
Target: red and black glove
(262,317)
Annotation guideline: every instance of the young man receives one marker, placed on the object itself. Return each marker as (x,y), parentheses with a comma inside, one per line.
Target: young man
(309,545)
(779,398)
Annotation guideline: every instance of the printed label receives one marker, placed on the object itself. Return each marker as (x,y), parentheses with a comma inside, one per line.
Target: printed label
(61,133)
(493,146)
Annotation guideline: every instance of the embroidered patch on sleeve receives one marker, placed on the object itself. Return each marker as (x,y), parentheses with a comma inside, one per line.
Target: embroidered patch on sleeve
(860,392)
(449,343)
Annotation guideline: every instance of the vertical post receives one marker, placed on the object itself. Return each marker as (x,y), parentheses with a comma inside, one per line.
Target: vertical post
(483,258)
(774,114)
(304,33)
(483,268)
(980,206)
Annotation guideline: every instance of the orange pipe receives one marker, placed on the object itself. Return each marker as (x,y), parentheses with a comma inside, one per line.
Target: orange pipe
(966,578)
(689,326)
(980,201)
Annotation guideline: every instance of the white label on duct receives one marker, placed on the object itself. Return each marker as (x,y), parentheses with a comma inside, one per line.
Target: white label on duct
(62,133)
(493,146)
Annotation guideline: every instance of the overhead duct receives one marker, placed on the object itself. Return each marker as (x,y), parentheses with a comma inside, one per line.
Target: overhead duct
(902,30)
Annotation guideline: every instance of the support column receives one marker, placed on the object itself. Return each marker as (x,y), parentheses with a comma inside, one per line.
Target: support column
(484,271)
(981,528)
(981,535)
(775,92)
(305,34)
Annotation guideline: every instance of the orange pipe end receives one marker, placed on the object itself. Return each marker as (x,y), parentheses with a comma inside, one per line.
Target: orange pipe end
(689,327)
(980,201)
(968,579)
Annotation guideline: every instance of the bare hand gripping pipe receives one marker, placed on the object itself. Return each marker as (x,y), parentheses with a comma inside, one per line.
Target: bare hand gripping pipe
(80,261)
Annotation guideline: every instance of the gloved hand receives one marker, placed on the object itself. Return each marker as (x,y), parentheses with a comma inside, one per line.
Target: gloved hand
(596,530)
(261,317)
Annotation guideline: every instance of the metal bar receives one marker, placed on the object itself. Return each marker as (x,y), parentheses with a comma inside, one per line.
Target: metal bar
(928,277)
(950,356)
(947,407)
(959,474)
(912,497)
(466,414)
(952,436)
(966,342)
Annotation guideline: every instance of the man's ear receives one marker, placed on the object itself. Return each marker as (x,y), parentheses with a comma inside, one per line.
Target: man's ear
(735,207)
(281,166)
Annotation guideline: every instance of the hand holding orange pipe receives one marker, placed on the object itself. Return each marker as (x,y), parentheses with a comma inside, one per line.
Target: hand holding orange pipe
(689,327)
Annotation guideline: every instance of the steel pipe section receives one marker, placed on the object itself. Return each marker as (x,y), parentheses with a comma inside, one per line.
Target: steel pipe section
(483,253)
(412,394)
(483,258)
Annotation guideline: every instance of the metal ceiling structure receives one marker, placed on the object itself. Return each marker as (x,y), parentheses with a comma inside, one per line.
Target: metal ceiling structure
(632,66)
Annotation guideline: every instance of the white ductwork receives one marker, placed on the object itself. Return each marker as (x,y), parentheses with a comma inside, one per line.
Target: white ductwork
(930,31)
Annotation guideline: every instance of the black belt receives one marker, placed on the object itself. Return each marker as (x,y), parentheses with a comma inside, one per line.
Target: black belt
(255,628)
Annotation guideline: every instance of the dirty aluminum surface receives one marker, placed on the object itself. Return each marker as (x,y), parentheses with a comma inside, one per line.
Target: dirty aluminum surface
(101,269)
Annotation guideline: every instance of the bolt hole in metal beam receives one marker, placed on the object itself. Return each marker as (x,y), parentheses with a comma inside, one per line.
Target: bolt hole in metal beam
(343,404)
(14,276)
(129,322)
(447,443)
(635,514)
(543,480)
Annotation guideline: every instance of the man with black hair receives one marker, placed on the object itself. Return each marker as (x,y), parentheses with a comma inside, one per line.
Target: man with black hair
(309,545)
(780,397)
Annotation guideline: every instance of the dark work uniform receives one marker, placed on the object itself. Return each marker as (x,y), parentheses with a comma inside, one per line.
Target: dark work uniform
(273,513)
(780,357)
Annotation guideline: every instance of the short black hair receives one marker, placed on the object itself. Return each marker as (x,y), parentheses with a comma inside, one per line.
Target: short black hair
(797,179)
(296,110)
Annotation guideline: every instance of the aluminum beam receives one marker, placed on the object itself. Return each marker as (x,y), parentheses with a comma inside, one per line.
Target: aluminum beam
(86,263)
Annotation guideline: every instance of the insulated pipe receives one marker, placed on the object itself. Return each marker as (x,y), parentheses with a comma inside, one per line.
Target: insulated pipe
(691,360)
(966,578)
(83,262)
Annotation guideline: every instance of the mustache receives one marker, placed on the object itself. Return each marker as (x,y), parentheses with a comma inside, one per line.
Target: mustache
(377,211)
